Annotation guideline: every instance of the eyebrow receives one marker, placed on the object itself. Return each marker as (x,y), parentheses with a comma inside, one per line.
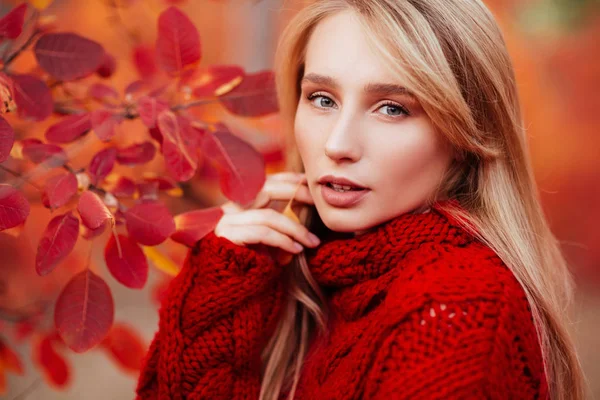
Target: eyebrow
(384,89)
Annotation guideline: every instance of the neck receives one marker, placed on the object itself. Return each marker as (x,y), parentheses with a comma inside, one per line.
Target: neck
(419,210)
(343,260)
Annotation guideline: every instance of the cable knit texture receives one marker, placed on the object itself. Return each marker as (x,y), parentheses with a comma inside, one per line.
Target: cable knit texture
(418,309)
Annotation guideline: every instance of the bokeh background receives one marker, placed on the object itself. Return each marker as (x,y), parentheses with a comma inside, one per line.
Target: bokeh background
(555,46)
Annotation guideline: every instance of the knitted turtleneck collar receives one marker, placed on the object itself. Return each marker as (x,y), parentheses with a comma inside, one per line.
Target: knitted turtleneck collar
(344,262)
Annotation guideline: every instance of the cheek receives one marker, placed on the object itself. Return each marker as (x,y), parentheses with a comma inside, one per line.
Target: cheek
(416,157)
(306,133)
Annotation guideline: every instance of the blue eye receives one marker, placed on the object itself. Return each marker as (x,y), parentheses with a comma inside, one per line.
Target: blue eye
(396,110)
(325,102)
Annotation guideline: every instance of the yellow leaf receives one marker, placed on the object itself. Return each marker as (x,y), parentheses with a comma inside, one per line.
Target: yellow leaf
(287,211)
(228,87)
(161,261)
(7,103)
(17,150)
(40,4)
(175,192)
(15,231)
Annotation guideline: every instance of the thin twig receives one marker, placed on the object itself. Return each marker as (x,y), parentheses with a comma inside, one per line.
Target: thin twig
(28,390)
(18,315)
(18,175)
(14,55)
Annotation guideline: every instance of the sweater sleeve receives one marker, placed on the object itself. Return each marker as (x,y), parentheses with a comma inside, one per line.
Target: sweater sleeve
(451,348)
(217,316)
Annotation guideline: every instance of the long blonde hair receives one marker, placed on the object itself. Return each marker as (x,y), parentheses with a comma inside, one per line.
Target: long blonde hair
(453,57)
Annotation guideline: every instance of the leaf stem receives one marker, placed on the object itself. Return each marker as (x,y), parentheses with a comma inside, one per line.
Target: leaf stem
(29,389)
(19,176)
(14,55)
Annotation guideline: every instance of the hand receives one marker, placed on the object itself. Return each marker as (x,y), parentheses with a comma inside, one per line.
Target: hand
(256,224)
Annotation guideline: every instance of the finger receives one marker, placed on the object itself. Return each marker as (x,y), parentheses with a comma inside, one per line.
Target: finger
(287,191)
(231,207)
(270,186)
(279,222)
(252,234)
(286,176)
(274,190)
(303,195)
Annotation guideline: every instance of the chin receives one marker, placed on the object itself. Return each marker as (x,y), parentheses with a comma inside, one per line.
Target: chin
(341,223)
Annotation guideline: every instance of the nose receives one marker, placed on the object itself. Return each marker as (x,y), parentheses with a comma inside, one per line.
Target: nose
(343,142)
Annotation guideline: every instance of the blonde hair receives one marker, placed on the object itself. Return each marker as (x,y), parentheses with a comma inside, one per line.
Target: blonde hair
(453,57)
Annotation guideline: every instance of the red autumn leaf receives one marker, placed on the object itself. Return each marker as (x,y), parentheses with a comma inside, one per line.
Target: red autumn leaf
(149,223)
(160,289)
(14,208)
(57,242)
(164,183)
(158,91)
(55,369)
(59,189)
(9,360)
(139,153)
(92,210)
(218,80)
(84,311)
(102,92)
(125,346)
(17,151)
(11,25)
(126,261)
(144,60)
(255,96)
(194,225)
(178,42)
(107,66)
(67,56)
(148,190)
(121,187)
(33,97)
(104,123)
(156,135)
(180,145)
(89,234)
(69,128)
(149,108)
(37,152)
(102,163)
(241,167)
(24,329)
(7,139)
(134,87)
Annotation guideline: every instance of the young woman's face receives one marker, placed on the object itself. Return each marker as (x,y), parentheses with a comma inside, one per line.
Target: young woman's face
(354,120)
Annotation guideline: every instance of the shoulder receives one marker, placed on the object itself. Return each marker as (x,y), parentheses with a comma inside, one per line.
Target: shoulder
(464,312)
(466,277)
(463,292)
(442,271)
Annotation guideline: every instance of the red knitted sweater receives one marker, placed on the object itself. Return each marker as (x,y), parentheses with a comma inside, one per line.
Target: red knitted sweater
(419,309)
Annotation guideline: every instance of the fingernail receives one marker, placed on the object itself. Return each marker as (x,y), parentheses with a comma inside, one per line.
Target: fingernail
(314,239)
(298,246)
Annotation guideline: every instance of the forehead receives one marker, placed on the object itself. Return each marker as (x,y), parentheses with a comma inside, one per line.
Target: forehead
(339,48)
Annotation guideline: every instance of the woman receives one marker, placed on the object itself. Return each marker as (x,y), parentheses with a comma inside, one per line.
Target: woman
(436,275)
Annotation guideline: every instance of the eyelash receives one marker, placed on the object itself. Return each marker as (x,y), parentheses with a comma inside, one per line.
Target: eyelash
(386,103)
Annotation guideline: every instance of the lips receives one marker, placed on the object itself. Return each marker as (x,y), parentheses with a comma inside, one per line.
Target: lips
(330,180)
(342,192)
(343,199)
